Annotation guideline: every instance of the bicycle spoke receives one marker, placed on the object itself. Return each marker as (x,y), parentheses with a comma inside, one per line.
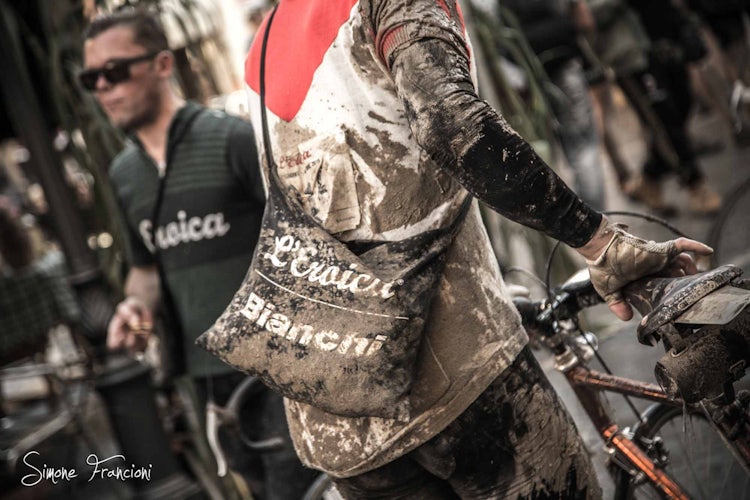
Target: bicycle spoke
(685,438)
(698,460)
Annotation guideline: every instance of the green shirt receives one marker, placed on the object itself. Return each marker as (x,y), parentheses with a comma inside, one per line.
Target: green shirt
(209,219)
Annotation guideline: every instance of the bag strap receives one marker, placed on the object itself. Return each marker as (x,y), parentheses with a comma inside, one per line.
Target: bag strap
(263,115)
(166,295)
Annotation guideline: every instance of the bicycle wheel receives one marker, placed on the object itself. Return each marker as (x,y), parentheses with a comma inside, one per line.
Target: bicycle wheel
(691,451)
(730,237)
(322,489)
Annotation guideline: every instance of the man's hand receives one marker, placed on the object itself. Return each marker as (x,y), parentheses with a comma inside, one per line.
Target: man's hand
(131,326)
(616,258)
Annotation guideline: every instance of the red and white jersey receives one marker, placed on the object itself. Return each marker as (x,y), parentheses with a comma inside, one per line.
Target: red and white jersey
(339,131)
(343,137)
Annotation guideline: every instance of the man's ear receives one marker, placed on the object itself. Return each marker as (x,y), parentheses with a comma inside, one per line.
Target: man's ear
(164,63)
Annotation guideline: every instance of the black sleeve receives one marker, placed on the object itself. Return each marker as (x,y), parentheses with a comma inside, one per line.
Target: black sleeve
(243,160)
(464,135)
(430,65)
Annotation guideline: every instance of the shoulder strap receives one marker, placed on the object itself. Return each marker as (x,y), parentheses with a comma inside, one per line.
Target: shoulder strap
(163,179)
(167,299)
(263,115)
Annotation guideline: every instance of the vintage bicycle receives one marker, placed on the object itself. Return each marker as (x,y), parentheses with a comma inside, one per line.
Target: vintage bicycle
(228,418)
(694,440)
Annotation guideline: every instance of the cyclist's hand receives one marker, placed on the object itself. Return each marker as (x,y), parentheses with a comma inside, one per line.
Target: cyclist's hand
(130,327)
(616,258)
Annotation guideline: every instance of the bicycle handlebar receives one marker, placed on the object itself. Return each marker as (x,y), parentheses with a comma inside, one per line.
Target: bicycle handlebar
(566,302)
(659,299)
(707,339)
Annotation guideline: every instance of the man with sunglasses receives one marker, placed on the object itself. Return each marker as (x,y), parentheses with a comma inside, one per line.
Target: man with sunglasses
(189,186)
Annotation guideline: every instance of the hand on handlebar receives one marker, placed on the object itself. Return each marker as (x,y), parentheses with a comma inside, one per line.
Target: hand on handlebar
(131,326)
(616,258)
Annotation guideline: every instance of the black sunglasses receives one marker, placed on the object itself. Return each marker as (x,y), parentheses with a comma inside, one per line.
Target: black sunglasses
(114,71)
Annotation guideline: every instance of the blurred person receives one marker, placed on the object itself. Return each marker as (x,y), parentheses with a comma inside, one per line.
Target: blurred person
(716,90)
(552,28)
(383,90)
(189,186)
(676,43)
(619,47)
(648,45)
(728,22)
(35,294)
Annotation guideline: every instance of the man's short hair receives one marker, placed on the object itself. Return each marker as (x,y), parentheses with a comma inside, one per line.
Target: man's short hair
(147,30)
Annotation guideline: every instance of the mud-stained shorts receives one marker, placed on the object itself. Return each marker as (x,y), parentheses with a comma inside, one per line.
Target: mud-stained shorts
(515,441)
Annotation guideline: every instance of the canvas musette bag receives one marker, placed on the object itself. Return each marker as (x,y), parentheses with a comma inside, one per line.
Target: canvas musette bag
(321,323)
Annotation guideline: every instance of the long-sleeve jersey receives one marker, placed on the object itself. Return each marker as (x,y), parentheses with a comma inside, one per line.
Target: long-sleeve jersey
(374,118)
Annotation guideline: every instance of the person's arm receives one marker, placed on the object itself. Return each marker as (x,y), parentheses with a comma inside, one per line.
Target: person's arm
(428,58)
(142,282)
(132,324)
(423,46)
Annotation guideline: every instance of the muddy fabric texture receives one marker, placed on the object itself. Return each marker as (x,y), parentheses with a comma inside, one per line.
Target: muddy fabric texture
(471,335)
(474,143)
(515,441)
(382,123)
(327,327)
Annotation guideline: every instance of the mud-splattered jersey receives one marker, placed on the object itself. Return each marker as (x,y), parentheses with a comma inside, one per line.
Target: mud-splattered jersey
(374,119)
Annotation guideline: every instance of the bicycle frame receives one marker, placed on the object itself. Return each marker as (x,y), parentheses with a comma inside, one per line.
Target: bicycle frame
(709,394)
(588,386)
